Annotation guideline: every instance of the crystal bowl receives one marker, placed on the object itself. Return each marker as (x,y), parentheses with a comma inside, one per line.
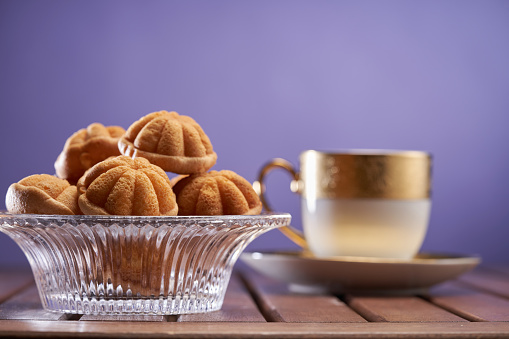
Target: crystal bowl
(134,264)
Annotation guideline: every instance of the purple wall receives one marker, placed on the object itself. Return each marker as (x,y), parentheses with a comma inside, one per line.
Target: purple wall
(272,78)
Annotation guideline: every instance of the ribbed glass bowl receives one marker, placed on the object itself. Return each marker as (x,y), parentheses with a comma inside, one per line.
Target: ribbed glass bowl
(134,265)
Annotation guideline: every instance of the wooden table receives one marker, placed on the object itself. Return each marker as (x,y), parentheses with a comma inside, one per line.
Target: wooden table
(476,305)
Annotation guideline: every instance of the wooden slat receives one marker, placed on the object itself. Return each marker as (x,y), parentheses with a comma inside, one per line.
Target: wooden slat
(238,306)
(480,296)
(278,304)
(399,309)
(27,305)
(52,329)
(468,303)
(489,281)
(13,281)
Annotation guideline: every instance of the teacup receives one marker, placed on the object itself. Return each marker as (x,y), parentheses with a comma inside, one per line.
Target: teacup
(364,203)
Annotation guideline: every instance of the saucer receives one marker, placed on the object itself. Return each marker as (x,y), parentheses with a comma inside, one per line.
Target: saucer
(305,273)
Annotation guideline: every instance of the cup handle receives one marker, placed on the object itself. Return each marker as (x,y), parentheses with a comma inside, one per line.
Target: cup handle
(293,234)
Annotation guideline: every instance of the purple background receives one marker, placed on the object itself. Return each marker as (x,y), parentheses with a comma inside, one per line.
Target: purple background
(270,79)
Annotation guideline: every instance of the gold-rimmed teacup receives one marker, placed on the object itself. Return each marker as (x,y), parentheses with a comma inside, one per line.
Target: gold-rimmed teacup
(367,203)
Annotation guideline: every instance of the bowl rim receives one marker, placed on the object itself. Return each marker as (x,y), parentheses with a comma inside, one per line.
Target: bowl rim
(135,219)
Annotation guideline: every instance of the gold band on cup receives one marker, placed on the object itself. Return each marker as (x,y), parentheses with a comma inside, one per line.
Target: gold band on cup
(374,174)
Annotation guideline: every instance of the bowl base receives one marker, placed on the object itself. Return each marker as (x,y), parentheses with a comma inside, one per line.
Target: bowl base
(62,303)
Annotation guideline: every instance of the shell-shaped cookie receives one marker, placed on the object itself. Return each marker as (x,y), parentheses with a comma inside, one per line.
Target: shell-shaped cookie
(174,142)
(42,194)
(125,186)
(85,148)
(216,193)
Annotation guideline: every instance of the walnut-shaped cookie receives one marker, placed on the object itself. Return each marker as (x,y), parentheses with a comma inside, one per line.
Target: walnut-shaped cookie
(85,148)
(42,194)
(174,142)
(216,193)
(124,186)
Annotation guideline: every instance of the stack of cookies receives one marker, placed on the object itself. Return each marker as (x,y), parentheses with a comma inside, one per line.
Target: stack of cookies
(111,171)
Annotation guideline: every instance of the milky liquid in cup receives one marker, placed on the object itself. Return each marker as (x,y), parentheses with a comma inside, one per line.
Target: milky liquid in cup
(362,203)
(364,227)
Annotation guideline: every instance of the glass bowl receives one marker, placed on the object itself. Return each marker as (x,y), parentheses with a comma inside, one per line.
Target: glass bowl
(134,264)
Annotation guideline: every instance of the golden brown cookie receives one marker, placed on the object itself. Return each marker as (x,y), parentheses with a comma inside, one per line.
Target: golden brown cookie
(42,194)
(216,193)
(125,186)
(174,142)
(85,148)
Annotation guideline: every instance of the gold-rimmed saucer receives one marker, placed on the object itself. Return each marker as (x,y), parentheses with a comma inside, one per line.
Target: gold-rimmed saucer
(304,272)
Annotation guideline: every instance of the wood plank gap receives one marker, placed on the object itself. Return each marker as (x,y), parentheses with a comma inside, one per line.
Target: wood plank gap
(364,312)
(487,283)
(270,315)
(468,317)
(469,302)
(344,299)
(279,303)
(401,309)
(238,306)
(481,289)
